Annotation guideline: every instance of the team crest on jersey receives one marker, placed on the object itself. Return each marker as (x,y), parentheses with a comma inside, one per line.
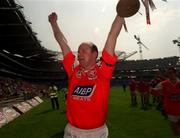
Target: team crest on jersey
(92,75)
(83,91)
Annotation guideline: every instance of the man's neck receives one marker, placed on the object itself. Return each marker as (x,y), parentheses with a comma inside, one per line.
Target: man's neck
(89,67)
(174,80)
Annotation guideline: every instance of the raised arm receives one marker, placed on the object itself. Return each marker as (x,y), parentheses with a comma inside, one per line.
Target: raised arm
(58,34)
(113,34)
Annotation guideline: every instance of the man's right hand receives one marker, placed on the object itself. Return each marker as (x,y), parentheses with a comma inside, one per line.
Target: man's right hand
(52,17)
(58,34)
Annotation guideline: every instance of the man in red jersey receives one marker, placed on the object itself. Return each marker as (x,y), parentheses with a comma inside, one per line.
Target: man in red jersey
(89,83)
(142,88)
(170,89)
(132,87)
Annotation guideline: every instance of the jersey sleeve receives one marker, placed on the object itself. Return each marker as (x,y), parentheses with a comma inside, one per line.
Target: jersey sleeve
(68,63)
(107,64)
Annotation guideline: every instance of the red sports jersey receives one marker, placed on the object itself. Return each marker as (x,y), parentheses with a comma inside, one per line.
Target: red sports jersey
(142,87)
(147,87)
(132,86)
(87,100)
(171,93)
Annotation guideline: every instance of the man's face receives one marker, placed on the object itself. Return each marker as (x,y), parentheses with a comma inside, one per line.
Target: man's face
(85,55)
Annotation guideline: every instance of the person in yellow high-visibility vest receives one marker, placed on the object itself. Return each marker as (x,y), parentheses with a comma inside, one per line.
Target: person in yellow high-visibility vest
(54,97)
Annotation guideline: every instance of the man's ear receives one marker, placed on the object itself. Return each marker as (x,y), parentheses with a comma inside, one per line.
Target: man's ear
(95,55)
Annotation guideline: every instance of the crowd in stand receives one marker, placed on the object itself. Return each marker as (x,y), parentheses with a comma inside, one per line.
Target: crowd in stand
(16,87)
(9,87)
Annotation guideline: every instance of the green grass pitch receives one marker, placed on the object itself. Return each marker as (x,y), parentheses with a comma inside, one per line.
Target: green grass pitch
(123,120)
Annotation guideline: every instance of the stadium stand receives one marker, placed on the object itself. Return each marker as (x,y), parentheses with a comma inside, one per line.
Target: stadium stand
(145,69)
(22,58)
(21,53)
(151,64)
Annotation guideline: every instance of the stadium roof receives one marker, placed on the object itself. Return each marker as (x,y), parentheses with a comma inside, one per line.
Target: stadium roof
(16,36)
(20,50)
